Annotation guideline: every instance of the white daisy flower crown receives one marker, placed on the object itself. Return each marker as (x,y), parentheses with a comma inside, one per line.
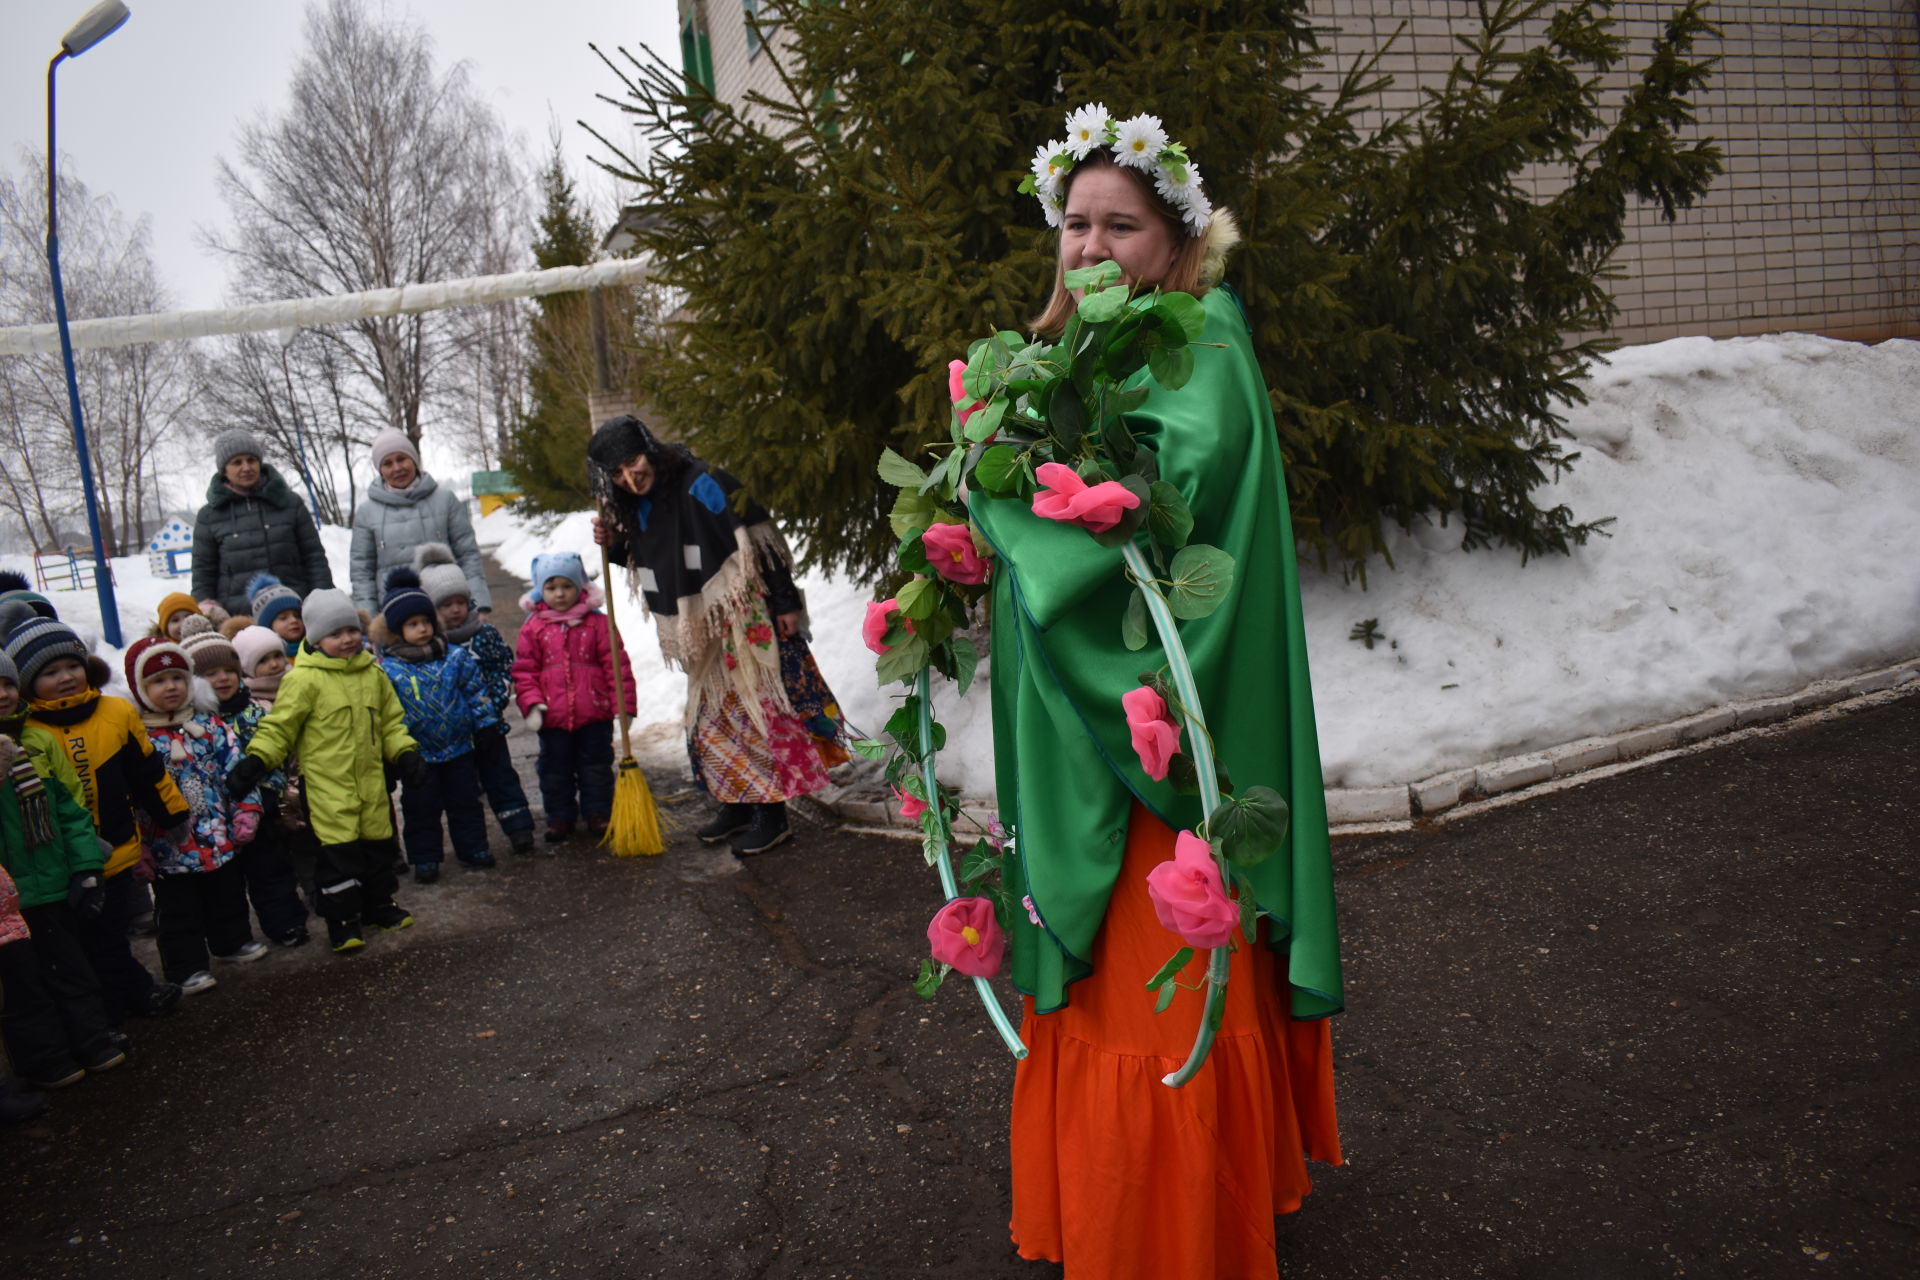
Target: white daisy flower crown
(1140,143)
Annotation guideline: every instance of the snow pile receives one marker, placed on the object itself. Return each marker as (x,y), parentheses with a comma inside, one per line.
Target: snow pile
(1767,501)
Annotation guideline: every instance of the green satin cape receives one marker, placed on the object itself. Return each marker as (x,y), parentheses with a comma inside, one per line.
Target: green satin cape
(1065,767)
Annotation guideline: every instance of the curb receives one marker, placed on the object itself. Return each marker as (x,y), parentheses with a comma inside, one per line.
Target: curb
(1361,810)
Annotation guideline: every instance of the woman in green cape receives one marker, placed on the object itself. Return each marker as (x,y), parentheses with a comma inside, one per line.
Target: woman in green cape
(1114,1173)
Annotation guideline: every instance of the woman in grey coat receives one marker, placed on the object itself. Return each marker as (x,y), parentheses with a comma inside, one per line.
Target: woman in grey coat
(404,508)
(252,523)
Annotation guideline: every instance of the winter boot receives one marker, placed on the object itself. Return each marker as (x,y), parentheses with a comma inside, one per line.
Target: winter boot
(522,841)
(388,916)
(20,1102)
(767,829)
(731,819)
(344,935)
(557,832)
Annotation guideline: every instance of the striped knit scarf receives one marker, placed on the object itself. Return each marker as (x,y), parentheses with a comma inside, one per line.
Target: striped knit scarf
(36,810)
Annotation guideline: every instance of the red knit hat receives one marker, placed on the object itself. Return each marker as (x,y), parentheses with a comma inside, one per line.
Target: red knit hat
(147,658)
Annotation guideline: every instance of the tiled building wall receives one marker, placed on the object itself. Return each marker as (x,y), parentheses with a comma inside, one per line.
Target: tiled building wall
(1815,222)
(1813,225)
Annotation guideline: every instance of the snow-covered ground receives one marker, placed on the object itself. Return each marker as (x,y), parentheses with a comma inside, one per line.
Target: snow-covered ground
(1767,501)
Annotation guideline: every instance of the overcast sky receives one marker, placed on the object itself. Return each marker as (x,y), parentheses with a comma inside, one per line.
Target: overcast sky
(145,114)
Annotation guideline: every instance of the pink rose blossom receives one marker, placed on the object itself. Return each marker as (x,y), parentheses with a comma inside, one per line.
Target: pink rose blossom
(911,806)
(1033,912)
(957,391)
(965,935)
(950,552)
(1069,499)
(879,618)
(1189,897)
(1156,738)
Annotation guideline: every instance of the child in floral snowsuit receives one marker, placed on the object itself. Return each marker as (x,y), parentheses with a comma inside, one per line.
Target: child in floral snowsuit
(563,679)
(265,863)
(200,895)
(445,583)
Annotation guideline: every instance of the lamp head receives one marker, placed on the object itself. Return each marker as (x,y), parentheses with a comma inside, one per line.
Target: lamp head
(98,23)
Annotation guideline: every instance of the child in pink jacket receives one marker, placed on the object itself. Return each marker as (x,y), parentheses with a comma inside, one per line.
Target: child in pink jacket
(563,682)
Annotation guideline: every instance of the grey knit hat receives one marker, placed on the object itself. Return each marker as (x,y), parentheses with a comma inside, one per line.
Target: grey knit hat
(39,641)
(441,577)
(229,445)
(326,611)
(7,670)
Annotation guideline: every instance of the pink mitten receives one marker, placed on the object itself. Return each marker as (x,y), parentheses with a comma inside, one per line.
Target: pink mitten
(246,826)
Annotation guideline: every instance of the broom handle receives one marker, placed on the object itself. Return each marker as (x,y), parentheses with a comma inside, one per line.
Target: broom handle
(613,628)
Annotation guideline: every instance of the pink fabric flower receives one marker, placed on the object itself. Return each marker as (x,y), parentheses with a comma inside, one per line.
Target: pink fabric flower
(1189,897)
(1069,499)
(957,391)
(879,618)
(1156,738)
(911,806)
(246,825)
(950,552)
(965,935)
(760,634)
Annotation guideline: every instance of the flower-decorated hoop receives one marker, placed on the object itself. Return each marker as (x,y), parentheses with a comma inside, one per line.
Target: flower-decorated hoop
(1139,143)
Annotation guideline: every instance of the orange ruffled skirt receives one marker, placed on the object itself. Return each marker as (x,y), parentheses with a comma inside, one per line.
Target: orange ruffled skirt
(1117,1175)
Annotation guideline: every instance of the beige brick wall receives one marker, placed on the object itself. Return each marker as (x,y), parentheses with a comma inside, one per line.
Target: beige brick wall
(1815,223)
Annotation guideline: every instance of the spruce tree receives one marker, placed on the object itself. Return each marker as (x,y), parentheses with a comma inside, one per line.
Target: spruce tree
(546,447)
(1418,311)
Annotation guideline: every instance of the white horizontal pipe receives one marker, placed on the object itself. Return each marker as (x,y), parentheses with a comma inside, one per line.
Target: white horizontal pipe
(167,326)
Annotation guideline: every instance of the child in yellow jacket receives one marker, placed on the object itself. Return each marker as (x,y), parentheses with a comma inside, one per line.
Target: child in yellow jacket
(338,712)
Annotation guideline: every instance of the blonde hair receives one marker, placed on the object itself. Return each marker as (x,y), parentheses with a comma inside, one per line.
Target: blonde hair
(1198,264)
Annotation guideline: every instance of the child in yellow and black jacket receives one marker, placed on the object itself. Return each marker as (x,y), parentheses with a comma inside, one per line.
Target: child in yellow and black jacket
(104,740)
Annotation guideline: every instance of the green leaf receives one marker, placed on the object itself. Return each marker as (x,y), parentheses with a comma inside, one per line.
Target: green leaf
(1098,308)
(966,660)
(1170,520)
(903,726)
(896,470)
(919,598)
(1202,576)
(1165,997)
(929,980)
(902,662)
(1182,775)
(912,552)
(870,748)
(1248,828)
(1170,968)
(1067,416)
(1171,368)
(997,468)
(981,860)
(912,512)
(987,421)
(1133,623)
(1098,276)
(1184,312)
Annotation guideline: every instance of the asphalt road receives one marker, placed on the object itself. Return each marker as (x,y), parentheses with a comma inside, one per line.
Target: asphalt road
(1658,1025)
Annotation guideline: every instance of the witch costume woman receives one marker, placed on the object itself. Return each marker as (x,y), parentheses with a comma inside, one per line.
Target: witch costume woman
(716,574)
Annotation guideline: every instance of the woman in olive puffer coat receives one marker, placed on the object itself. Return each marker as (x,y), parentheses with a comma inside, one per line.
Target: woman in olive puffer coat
(252,523)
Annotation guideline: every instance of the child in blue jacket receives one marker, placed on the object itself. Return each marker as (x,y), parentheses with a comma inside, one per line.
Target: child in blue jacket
(445,583)
(444,700)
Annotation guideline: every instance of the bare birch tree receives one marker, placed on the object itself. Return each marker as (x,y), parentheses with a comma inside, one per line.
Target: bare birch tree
(382,170)
(136,399)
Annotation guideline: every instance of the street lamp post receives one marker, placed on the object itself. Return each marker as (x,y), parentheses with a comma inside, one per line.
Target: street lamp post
(98,23)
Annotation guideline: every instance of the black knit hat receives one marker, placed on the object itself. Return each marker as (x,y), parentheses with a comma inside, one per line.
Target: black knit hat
(405,599)
(35,643)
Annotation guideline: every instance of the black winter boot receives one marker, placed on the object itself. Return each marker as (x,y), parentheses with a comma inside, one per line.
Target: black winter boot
(768,828)
(730,819)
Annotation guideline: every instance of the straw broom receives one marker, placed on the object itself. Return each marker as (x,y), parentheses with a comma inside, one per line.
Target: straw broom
(635,826)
